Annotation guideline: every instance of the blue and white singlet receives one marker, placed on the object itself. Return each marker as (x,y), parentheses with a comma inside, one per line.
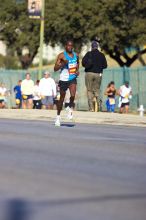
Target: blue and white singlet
(69,71)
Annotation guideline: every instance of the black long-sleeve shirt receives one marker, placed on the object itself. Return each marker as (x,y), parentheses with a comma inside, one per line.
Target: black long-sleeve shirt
(94,61)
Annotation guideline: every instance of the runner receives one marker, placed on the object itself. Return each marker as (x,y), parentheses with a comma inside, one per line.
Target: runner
(68,64)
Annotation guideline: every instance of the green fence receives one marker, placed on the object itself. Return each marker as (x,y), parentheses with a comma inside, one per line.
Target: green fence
(135,76)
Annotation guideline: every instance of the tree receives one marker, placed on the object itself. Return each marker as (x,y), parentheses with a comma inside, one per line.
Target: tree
(122,27)
(120,24)
(19,32)
(68,20)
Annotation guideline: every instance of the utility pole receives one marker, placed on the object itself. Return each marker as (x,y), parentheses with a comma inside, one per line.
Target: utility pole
(34,14)
(42,19)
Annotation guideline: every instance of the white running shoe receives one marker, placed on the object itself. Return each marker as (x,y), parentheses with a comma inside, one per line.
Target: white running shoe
(69,113)
(67,108)
(58,121)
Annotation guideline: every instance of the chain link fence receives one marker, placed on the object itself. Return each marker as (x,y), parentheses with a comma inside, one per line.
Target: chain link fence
(135,76)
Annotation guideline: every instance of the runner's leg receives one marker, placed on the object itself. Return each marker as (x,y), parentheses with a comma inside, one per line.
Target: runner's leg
(72,89)
(60,101)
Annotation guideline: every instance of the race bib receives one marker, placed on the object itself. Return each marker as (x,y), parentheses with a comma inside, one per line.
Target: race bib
(112,101)
(72,67)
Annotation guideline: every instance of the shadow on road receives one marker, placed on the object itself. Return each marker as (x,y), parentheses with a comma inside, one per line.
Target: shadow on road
(68,125)
(21,210)
(98,199)
(17,210)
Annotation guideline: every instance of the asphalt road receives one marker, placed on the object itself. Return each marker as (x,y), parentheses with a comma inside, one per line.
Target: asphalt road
(74,172)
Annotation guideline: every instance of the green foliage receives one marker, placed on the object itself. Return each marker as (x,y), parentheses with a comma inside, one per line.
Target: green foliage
(45,63)
(123,26)
(18,31)
(69,20)
(9,62)
(120,24)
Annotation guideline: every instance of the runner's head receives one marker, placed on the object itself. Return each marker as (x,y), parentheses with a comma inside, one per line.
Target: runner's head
(69,46)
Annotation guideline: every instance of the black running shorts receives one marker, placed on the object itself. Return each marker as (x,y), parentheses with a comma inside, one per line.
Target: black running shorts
(64,85)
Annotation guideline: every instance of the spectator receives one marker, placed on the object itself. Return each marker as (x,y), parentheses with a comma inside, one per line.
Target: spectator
(125,93)
(110,92)
(18,96)
(3,93)
(37,104)
(27,87)
(47,91)
(94,62)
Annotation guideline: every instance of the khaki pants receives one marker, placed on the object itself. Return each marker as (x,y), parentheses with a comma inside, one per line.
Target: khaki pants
(93,83)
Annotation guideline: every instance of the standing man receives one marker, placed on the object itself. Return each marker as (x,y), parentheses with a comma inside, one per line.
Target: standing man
(94,62)
(47,88)
(68,64)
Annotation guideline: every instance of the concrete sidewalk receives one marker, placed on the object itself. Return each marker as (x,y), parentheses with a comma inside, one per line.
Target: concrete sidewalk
(80,117)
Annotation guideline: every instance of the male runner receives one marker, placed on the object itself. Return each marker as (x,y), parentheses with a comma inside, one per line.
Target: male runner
(68,64)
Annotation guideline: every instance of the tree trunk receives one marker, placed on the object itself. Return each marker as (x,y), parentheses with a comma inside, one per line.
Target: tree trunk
(129,60)
(27,59)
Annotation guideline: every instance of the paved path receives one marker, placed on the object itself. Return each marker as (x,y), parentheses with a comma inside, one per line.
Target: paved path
(80,117)
(75,172)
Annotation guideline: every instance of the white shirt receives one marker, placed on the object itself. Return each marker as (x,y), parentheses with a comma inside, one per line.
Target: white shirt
(2,92)
(27,87)
(47,87)
(36,93)
(125,93)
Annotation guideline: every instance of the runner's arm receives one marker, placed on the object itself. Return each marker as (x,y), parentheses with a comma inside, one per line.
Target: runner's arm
(78,64)
(60,62)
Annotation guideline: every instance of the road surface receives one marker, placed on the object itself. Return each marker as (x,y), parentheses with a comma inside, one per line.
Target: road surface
(74,172)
